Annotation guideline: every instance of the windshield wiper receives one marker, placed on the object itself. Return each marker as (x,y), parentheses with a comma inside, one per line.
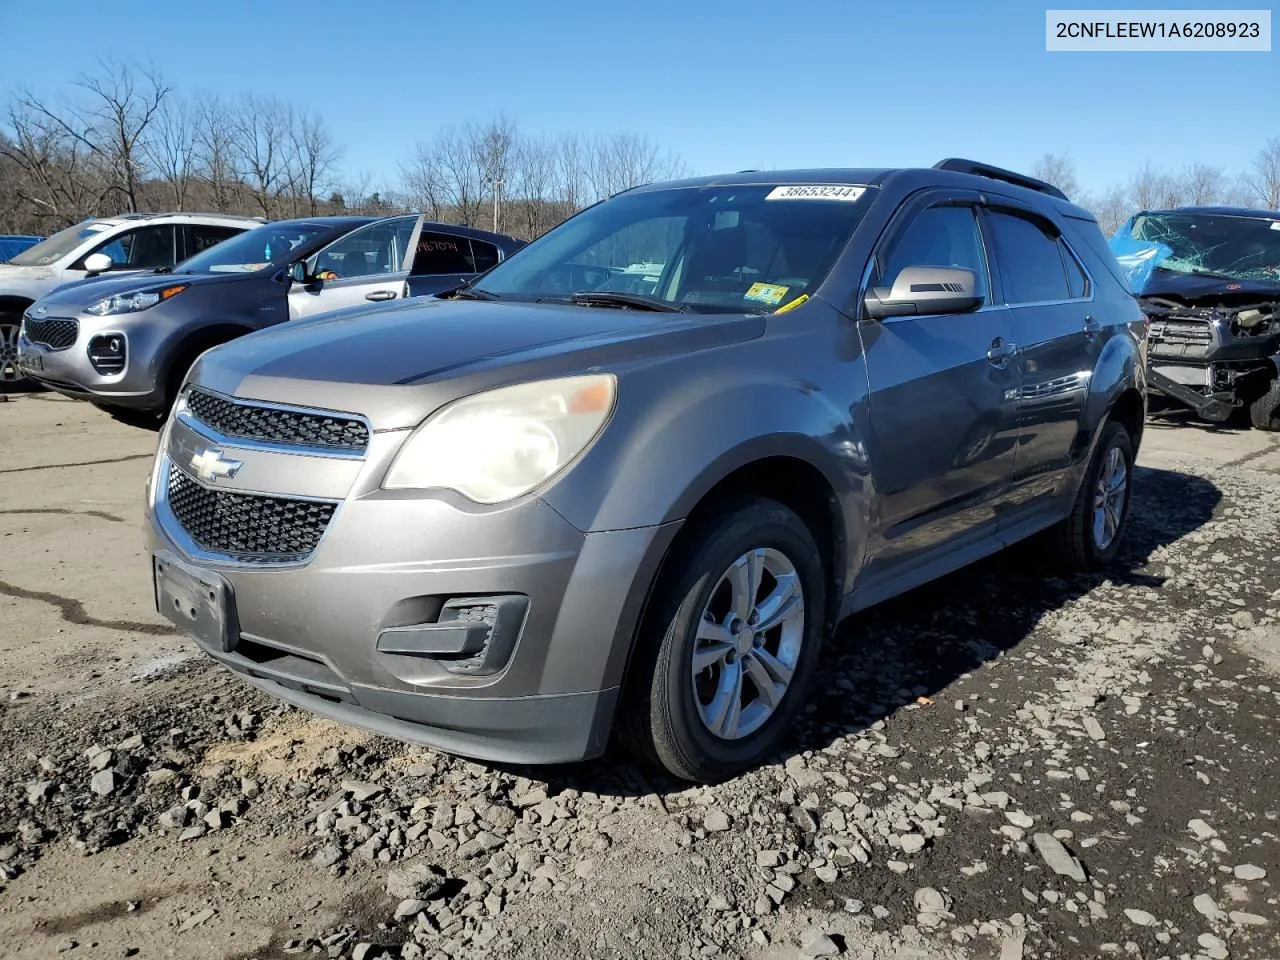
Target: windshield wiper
(469,293)
(605,298)
(164,270)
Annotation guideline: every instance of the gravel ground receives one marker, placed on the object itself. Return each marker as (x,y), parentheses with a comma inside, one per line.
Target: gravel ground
(1000,765)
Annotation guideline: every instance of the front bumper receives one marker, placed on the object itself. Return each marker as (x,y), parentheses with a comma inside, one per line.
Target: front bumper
(68,370)
(314,633)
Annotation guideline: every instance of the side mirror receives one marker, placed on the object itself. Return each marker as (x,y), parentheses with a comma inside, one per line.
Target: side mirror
(925,290)
(97,263)
(298,272)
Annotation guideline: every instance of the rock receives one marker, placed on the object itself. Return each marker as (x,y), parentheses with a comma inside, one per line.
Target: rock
(365,951)
(897,866)
(827,874)
(719,903)
(1020,819)
(409,908)
(715,821)
(103,783)
(768,858)
(912,843)
(1247,871)
(1202,830)
(130,743)
(101,760)
(196,919)
(1214,947)
(929,900)
(361,791)
(65,946)
(1011,946)
(193,833)
(419,881)
(327,856)
(1059,860)
(1140,917)
(1094,729)
(815,943)
(1242,919)
(1206,907)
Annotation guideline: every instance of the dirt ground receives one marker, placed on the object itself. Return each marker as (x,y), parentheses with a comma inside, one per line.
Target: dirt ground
(999,765)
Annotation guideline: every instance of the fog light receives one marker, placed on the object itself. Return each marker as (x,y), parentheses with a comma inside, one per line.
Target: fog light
(107,353)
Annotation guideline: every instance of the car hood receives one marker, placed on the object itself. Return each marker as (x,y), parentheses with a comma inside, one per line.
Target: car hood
(82,293)
(1199,290)
(396,364)
(26,282)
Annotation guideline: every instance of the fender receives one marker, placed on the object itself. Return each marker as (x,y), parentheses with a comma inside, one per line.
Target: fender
(209,331)
(665,448)
(1119,368)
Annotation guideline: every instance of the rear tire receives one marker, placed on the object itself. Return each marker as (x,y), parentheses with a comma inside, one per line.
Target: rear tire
(1264,413)
(745,594)
(1090,536)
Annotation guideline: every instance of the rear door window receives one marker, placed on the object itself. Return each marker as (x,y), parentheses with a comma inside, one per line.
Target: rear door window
(439,253)
(202,237)
(1031,260)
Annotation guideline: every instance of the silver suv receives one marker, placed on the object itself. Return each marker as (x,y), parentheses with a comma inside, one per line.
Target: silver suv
(128,243)
(552,507)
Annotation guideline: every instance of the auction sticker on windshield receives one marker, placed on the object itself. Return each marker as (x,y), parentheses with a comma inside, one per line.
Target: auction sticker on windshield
(817,191)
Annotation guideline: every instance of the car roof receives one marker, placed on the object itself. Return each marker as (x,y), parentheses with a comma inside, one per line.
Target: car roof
(953,172)
(349,220)
(191,215)
(1254,213)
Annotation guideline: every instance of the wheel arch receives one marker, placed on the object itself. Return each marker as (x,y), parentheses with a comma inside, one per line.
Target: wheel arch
(781,475)
(185,350)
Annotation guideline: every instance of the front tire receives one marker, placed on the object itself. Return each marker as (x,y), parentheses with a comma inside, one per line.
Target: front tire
(1264,413)
(1090,536)
(729,644)
(10,375)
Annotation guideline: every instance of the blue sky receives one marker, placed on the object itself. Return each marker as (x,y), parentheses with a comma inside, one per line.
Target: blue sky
(726,85)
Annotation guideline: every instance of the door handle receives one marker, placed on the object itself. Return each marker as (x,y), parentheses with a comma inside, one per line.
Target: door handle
(1092,327)
(1001,351)
(381,295)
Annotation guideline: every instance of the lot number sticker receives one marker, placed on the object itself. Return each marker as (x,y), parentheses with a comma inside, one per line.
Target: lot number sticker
(817,191)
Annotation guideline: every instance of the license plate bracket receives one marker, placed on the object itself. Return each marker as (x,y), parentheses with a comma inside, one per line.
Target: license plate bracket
(200,602)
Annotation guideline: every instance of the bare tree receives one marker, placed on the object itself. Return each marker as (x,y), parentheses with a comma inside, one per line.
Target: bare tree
(1264,178)
(261,134)
(1059,170)
(315,155)
(216,153)
(105,124)
(173,149)
(1204,184)
(1152,189)
(624,160)
(424,182)
(1111,209)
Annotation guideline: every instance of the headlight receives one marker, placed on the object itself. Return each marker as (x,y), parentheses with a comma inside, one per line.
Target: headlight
(496,446)
(133,302)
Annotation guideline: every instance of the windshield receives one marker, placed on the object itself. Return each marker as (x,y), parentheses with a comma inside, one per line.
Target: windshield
(1238,248)
(252,250)
(54,248)
(715,249)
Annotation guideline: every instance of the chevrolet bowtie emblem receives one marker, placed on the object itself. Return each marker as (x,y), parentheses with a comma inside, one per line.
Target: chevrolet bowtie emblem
(210,465)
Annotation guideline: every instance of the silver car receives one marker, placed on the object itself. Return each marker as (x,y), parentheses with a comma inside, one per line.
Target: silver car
(129,243)
(553,507)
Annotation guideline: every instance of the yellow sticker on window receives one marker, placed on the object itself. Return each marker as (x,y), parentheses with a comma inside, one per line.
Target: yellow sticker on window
(793,304)
(770,293)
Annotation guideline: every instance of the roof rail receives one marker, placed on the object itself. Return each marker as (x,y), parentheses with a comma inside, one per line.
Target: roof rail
(959,165)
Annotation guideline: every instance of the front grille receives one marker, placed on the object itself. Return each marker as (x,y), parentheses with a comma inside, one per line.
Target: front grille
(247,526)
(1173,339)
(271,425)
(1174,331)
(55,334)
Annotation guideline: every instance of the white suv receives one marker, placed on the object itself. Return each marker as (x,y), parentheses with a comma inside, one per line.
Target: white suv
(131,242)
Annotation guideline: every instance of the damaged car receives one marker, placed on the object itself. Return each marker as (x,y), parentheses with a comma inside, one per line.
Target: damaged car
(1208,281)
